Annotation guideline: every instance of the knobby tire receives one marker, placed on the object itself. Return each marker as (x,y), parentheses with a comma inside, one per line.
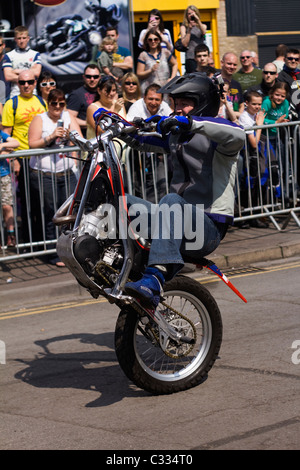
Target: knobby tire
(147,365)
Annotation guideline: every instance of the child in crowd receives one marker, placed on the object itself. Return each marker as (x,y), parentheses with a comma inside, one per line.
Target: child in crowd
(105,61)
(276,106)
(226,107)
(255,172)
(7,144)
(253,116)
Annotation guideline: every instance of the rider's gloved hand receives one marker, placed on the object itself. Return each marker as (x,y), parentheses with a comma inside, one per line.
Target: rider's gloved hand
(174,124)
(150,123)
(138,121)
(161,119)
(154,118)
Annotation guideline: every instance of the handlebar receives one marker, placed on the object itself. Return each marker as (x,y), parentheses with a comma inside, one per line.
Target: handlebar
(112,129)
(83,144)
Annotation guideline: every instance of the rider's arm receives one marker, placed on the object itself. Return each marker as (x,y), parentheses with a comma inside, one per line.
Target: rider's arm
(228,137)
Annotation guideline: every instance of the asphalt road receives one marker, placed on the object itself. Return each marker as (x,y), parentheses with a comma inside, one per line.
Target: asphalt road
(62,387)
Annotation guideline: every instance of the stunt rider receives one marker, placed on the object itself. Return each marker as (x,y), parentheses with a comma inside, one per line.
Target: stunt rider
(204,151)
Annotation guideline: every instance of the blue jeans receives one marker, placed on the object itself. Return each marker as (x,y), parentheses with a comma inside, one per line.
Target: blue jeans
(189,236)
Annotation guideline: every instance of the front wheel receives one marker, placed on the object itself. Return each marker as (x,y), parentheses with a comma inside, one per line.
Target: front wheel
(162,366)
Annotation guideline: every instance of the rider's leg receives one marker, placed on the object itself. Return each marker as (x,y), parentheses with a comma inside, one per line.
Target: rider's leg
(179,230)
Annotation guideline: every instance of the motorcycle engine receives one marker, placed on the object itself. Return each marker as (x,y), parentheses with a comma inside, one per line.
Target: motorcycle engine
(96,235)
(100,223)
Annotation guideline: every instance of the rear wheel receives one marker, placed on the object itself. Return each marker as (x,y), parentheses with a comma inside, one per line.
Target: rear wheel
(157,363)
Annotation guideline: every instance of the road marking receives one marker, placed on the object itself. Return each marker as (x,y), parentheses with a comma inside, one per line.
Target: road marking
(204,280)
(48,308)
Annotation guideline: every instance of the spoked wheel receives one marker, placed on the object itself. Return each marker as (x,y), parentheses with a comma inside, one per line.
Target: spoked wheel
(159,364)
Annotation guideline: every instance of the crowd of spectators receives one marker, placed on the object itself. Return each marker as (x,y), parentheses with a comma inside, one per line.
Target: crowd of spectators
(254,93)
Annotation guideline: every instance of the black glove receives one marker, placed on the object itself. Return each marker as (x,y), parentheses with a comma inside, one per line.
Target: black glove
(138,121)
(175,124)
(146,124)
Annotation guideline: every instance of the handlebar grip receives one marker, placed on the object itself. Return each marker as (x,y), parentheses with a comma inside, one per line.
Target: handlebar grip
(138,121)
(155,118)
(148,124)
(84,144)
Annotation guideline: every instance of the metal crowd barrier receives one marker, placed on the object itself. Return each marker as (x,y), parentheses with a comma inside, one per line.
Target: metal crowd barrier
(273,192)
(266,181)
(266,185)
(30,247)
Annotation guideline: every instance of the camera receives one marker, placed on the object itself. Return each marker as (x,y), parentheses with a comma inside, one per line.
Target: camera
(193,18)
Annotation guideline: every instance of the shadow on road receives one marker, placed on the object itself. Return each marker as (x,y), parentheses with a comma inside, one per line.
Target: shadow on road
(95,368)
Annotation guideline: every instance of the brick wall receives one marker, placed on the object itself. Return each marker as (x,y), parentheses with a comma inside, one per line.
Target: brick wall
(234,44)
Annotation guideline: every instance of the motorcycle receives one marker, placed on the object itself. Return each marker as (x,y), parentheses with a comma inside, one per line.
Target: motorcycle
(71,37)
(163,350)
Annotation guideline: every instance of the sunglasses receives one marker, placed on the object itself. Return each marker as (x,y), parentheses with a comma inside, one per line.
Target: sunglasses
(245,57)
(23,82)
(293,58)
(2,44)
(153,39)
(61,104)
(43,85)
(130,83)
(266,72)
(92,76)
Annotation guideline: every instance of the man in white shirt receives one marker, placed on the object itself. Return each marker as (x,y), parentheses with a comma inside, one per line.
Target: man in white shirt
(152,104)
(154,170)
(19,59)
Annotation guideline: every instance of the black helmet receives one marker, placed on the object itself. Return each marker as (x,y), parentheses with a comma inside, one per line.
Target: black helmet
(198,87)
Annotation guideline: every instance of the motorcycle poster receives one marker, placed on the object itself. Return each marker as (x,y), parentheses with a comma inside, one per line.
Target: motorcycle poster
(68,34)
